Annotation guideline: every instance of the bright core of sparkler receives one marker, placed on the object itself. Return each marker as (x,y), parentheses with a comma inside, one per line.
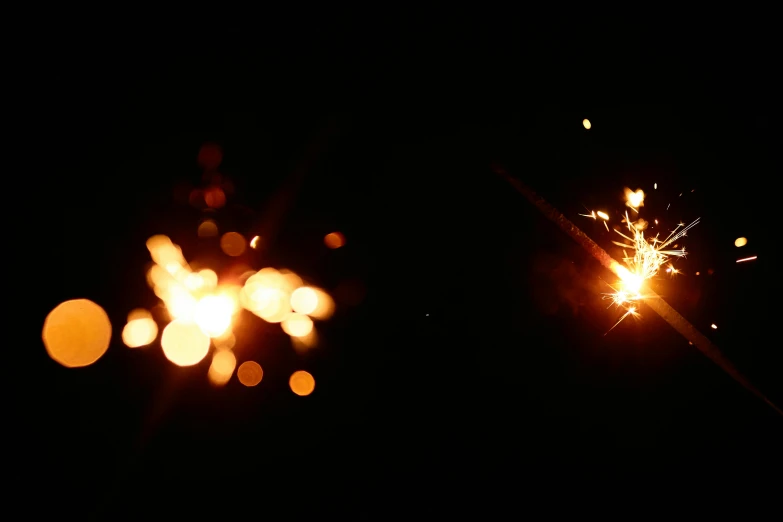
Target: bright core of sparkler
(649,255)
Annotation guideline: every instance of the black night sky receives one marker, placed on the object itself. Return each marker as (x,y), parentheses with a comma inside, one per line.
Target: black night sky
(467,361)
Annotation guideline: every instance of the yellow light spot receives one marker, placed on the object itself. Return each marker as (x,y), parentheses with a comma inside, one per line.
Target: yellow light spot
(740,242)
(184,343)
(304,300)
(76,333)
(222,367)
(254,242)
(207,228)
(139,332)
(213,314)
(714,326)
(634,199)
(297,325)
(334,240)
(233,244)
(250,373)
(586,124)
(603,215)
(139,313)
(302,383)
(209,278)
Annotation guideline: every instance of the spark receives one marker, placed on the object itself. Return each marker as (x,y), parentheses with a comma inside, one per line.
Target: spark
(606,226)
(631,311)
(647,259)
(603,215)
(590,215)
(746,259)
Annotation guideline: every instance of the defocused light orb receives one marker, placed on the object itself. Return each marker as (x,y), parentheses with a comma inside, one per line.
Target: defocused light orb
(233,244)
(76,333)
(297,325)
(184,343)
(304,300)
(139,313)
(302,383)
(714,326)
(207,228)
(139,332)
(250,373)
(213,314)
(740,242)
(209,278)
(222,367)
(586,124)
(210,155)
(214,197)
(334,240)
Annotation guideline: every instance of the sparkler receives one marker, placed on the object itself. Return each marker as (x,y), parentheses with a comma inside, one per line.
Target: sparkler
(633,282)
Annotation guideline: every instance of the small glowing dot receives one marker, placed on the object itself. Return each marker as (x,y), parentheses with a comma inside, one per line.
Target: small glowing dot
(740,242)
(586,124)
(254,242)
(655,186)
(302,383)
(250,373)
(232,244)
(334,240)
(697,273)
(714,326)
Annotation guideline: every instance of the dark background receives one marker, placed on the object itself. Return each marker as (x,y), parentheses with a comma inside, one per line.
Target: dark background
(475,370)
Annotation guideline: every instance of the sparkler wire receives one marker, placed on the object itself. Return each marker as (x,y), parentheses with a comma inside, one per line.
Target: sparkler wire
(658,305)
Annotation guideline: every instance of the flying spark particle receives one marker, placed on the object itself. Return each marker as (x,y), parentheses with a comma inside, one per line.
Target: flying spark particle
(655,186)
(746,259)
(714,326)
(606,226)
(586,124)
(740,242)
(602,215)
(680,195)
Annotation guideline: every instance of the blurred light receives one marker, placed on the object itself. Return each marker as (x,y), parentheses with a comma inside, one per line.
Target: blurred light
(209,278)
(740,242)
(304,300)
(302,383)
(254,242)
(76,333)
(207,228)
(250,373)
(184,343)
(714,327)
(655,186)
(334,240)
(233,244)
(297,325)
(210,156)
(213,314)
(214,197)
(139,332)
(698,273)
(586,124)
(634,199)
(139,313)
(222,367)
(603,215)
(227,341)
(747,259)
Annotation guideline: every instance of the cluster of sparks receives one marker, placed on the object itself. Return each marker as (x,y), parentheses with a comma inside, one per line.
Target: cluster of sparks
(643,257)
